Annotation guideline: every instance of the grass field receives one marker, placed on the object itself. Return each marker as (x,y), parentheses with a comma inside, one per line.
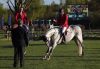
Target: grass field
(64,56)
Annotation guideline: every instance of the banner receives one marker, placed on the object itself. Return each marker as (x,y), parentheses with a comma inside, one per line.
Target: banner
(77,12)
(2,21)
(9,20)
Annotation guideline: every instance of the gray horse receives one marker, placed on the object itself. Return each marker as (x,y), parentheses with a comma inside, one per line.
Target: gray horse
(53,37)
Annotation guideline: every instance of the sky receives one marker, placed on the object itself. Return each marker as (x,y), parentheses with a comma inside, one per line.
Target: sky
(50,1)
(4,2)
(47,2)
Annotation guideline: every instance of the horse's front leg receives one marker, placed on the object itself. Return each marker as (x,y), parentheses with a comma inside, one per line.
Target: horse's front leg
(47,56)
(51,50)
(48,45)
(51,47)
(49,53)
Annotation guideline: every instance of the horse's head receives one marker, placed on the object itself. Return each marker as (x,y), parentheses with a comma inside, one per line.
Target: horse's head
(43,37)
(47,37)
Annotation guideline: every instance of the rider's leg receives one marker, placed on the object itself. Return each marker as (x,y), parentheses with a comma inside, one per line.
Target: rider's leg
(64,29)
(62,33)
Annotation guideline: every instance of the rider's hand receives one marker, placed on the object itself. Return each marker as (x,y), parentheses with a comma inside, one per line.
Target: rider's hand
(54,20)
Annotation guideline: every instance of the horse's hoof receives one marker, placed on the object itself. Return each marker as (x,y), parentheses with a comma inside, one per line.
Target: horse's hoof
(48,59)
(44,58)
(81,55)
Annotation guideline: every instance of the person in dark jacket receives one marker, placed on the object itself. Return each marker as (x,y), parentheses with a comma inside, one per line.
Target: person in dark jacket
(19,41)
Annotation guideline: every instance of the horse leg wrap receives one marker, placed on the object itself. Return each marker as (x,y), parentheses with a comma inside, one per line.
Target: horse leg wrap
(80,51)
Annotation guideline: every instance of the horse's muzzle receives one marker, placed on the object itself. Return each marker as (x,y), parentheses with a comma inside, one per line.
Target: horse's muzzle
(44,38)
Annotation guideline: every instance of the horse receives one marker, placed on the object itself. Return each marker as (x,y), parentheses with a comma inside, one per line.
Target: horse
(53,37)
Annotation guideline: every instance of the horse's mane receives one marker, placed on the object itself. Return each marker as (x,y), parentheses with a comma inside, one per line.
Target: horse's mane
(51,31)
(44,38)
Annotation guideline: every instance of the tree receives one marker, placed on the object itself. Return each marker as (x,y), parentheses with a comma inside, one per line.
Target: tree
(2,10)
(36,9)
(94,13)
(51,10)
(76,1)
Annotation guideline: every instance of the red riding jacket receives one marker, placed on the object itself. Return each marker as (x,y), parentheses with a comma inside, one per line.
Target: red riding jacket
(63,21)
(23,17)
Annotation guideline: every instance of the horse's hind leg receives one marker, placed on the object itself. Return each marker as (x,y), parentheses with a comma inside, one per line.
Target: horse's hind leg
(80,47)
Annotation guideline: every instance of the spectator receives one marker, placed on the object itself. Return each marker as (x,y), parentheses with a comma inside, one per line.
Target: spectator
(19,41)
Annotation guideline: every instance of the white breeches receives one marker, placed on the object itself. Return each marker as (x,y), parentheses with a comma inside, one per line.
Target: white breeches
(64,29)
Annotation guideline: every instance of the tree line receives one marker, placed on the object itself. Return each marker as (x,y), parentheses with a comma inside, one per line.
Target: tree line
(38,10)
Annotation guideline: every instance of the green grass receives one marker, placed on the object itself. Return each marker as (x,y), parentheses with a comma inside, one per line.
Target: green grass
(64,56)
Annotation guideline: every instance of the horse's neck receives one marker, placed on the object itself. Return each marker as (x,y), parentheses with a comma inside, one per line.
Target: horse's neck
(51,32)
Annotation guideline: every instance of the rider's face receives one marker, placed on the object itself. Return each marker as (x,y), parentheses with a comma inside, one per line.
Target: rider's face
(62,11)
(21,9)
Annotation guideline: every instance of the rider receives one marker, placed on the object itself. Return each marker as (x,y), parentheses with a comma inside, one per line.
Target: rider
(62,21)
(21,14)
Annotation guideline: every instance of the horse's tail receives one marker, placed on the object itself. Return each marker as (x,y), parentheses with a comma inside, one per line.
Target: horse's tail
(82,27)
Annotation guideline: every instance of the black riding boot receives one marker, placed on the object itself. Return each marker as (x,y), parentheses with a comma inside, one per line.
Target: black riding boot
(63,36)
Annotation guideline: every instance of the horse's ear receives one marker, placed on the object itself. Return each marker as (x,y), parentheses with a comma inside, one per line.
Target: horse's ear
(43,37)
